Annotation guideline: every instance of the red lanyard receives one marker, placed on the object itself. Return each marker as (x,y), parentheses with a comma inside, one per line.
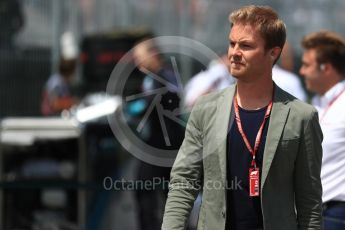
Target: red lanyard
(259,134)
(331,103)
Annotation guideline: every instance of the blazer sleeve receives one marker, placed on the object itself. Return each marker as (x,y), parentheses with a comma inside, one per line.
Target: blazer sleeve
(308,188)
(186,174)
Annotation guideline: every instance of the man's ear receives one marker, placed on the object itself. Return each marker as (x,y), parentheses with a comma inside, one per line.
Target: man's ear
(272,56)
(322,67)
(275,52)
(325,67)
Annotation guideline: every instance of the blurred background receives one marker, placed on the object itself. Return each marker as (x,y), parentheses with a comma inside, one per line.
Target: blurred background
(52,168)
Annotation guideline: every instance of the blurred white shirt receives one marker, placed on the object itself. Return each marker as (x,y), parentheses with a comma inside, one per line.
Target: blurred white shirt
(333,127)
(289,82)
(215,78)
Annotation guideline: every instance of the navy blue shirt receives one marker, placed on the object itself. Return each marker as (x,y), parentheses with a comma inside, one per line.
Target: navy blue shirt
(244,212)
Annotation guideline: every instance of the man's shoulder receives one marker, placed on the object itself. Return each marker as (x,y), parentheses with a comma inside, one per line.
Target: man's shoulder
(298,107)
(211,99)
(206,107)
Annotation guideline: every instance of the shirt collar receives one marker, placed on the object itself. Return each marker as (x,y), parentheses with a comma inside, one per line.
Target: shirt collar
(323,101)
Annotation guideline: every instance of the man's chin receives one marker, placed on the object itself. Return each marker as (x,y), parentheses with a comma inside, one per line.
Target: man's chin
(311,89)
(236,74)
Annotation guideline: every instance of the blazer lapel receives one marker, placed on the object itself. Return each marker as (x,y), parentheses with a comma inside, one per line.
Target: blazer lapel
(224,106)
(277,122)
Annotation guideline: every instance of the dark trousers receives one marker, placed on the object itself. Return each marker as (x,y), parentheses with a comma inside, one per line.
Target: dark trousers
(334,215)
(151,199)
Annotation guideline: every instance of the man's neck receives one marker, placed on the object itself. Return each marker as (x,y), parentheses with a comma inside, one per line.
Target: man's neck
(329,85)
(252,96)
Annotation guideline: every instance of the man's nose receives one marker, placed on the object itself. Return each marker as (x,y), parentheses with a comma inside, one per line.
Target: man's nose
(235,52)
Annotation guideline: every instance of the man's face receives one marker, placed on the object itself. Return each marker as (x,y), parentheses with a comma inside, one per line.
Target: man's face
(142,57)
(247,55)
(311,72)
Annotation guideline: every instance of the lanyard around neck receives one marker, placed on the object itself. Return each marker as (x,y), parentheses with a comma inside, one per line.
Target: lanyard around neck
(254,150)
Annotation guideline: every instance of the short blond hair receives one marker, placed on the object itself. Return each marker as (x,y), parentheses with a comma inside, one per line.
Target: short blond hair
(271,27)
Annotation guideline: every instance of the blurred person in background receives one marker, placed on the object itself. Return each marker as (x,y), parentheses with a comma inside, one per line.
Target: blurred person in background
(163,92)
(287,58)
(57,94)
(216,77)
(289,82)
(252,149)
(285,78)
(323,68)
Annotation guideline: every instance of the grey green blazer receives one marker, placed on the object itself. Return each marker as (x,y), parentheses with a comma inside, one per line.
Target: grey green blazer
(290,178)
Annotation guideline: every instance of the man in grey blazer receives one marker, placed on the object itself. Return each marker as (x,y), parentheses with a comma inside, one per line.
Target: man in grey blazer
(253,150)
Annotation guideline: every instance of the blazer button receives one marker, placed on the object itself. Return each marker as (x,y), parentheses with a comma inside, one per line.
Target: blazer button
(223,214)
